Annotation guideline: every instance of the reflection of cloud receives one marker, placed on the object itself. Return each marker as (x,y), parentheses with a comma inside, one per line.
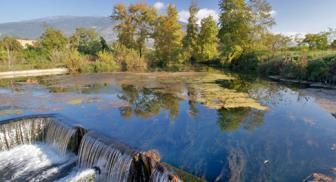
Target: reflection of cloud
(202,13)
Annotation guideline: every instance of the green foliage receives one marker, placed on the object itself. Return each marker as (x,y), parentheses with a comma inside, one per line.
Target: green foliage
(52,39)
(167,38)
(135,25)
(248,62)
(87,41)
(207,40)
(190,40)
(333,44)
(234,34)
(74,61)
(105,62)
(10,44)
(317,41)
(128,59)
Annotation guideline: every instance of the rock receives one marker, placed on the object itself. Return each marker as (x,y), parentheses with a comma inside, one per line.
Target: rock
(319,177)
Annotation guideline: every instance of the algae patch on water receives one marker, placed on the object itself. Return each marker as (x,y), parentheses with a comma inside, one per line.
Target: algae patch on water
(200,87)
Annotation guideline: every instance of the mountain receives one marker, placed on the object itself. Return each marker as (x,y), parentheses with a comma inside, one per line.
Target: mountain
(32,29)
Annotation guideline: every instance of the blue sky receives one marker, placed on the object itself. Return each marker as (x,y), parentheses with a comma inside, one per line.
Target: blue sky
(292,16)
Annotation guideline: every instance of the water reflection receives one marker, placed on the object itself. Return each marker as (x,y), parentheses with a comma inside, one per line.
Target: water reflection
(220,127)
(147,103)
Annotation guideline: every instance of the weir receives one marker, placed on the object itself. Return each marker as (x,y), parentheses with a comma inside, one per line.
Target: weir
(51,150)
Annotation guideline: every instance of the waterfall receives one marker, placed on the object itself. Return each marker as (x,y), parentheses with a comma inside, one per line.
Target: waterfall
(114,165)
(25,131)
(29,131)
(36,149)
(58,135)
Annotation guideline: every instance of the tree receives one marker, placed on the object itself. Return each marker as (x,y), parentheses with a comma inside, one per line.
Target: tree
(274,42)
(333,44)
(207,40)
(190,39)
(52,39)
(261,12)
(167,37)
(235,28)
(317,41)
(87,41)
(135,25)
(10,45)
(124,26)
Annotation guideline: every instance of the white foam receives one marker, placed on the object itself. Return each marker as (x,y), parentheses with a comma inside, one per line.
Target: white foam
(79,175)
(24,160)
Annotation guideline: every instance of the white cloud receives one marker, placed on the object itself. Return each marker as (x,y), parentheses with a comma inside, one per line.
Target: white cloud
(202,13)
(273,13)
(159,5)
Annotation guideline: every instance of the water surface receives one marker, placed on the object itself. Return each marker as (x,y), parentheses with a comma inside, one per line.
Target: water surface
(214,125)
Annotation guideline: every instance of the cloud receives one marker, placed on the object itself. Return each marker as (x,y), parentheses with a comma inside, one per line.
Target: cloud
(273,13)
(159,5)
(202,13)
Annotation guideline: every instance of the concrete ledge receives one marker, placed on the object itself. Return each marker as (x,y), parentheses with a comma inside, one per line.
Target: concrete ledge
(28,73)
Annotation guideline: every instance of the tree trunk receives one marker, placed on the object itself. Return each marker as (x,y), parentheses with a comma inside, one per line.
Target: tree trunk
(9,59)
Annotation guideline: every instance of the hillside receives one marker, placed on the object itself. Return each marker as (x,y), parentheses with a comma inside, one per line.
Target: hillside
(32,29)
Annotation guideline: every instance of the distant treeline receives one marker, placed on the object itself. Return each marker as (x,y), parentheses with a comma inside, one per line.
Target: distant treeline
(240,40)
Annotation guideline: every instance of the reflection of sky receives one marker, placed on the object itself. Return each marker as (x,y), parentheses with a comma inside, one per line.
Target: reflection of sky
(295,135)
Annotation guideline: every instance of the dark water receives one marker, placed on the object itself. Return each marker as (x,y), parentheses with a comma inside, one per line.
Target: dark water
(255,131)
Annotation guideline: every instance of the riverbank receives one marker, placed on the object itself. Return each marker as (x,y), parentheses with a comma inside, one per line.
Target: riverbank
(36,72)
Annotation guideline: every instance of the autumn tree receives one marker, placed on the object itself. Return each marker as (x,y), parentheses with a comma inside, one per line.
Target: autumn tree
(190,39)
(207,40)
(52,39)
(235,28)
(124,26)
(135,25)
(167,37)
(10,45)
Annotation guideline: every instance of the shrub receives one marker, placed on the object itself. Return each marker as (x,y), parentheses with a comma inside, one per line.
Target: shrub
(129,58)
(246,62)
(105,62)
(74,61)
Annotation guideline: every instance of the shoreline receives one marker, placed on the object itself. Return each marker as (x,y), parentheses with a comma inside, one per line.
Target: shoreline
(35,72)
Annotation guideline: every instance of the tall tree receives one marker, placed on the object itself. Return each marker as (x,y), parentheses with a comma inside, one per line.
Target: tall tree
(235,28)
(143,17)
(124,26)
(135,25)
(167,37)
(208,40)
(11,45)
(262,19)
(190,39)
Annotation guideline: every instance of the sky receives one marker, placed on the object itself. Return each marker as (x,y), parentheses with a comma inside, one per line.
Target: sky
(292,16)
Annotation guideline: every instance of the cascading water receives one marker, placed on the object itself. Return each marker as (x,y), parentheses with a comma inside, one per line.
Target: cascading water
(25,131)
(34,130)
(58,135)
(37,149)
(112,163)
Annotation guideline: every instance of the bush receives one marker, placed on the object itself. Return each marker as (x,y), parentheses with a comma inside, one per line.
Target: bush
(129,58)
(247,62)
(105,62)
(74,61)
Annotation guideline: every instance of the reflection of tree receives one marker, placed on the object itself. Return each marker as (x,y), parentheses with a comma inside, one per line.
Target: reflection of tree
(147,103)
(192,94)
(232,119)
